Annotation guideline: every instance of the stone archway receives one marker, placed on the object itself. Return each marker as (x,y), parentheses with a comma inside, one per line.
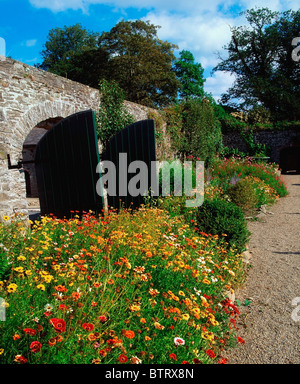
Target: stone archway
(13,182)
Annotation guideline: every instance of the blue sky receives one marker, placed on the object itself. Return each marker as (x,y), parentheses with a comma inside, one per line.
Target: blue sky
(202,27)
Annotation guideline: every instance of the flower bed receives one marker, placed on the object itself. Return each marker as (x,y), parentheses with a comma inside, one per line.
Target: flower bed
(124,288)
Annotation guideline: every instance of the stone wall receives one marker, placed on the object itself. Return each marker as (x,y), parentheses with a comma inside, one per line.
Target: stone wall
(29,96)
(277,140)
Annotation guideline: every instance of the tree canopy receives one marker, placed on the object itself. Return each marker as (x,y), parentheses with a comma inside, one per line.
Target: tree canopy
(261,58)
(190,76)
(141,63)
(64,47)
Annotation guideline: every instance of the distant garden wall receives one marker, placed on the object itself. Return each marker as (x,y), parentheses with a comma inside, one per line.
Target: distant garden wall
(276,139)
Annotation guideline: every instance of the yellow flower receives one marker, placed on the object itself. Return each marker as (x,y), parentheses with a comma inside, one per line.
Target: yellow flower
(19,269)
(1,351)
(185,316)
(41,287)
(181,293)
(21,258)
(12,288)
(5,218)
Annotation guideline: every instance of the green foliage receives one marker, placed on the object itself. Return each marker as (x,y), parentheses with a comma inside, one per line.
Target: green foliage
(260,56)
(141,63)
(190,75)
(254,147)
(63,48)
(202,131)
(219,217)
(113,115)
(243,195)
(228,152)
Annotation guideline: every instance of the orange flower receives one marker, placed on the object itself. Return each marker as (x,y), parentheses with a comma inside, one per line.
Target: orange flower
(91,337)
(16,337)
(127,333)
(143,320)
(75,295)
(147,338)
(60,288)
(52,341)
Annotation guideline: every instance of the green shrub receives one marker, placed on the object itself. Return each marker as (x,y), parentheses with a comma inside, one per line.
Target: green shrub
(219,217)
(243,195)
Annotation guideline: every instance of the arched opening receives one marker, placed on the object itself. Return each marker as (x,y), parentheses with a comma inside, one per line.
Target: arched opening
(290,157)
(28,156)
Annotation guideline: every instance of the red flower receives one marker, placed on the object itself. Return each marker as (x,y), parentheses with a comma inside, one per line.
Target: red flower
(102,318)
(123,359)
(197,361)
(21,359)
(240,340)
(173,356)
(58,324)
(63,307)
(29,331)
(35,346)
(210,353)
(222,361)
(88,326)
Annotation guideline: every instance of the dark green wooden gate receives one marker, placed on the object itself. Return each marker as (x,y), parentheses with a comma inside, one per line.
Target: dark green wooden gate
(137,142)
(66,160)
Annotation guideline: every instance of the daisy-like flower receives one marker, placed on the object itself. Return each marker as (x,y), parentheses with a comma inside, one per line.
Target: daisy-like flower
(179,341)
(48,307)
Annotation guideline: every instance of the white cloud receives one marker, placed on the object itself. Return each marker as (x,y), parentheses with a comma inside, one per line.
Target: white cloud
(218,84)
(31,43)
(187,6)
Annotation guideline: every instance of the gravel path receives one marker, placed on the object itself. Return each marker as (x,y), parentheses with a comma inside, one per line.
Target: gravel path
(270,325)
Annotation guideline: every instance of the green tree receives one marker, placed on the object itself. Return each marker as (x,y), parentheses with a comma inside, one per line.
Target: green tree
(190,76)
(113,115)
(201,130)
(141,63)
(73,52)
(260,56)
